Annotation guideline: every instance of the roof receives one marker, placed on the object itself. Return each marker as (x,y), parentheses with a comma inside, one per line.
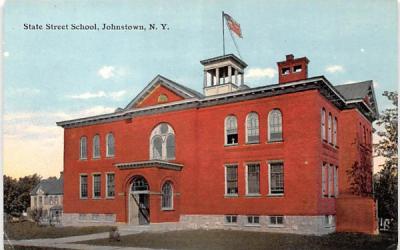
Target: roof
(220,58)
(359,91)
(50,187)
(176,87)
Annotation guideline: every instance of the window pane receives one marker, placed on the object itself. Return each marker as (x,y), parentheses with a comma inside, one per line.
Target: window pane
(275,125)
(276,178)
(83,148)
(96,146)
(167,195)
(110,145)
(231,130)
(253,178)
(171,146)
(84,190)
(110,185)
(231,180)
(252,128)
(96,185)
(157,147)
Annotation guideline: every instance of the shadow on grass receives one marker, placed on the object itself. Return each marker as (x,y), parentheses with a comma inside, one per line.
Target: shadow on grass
(230,239)
(30,230)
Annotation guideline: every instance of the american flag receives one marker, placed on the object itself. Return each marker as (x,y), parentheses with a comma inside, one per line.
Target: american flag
(233,25)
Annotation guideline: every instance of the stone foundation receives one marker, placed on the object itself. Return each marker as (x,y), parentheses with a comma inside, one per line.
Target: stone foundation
(311,225)
(75,219)
(314,225)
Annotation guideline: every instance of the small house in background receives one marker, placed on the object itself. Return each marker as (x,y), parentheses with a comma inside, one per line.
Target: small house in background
(47,199)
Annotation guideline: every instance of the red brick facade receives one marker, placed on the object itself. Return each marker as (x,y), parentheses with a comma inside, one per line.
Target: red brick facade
(199,186)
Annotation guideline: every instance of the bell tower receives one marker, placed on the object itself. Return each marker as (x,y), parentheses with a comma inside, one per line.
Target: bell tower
(223,74)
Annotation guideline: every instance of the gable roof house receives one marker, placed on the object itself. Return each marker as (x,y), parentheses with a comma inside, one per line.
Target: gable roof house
(274,157)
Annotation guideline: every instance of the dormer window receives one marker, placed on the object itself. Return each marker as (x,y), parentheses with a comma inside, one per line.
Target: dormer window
(297,68)
(285,71)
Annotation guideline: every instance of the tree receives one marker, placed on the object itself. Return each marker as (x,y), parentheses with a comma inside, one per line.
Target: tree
(386,179)
(17,193)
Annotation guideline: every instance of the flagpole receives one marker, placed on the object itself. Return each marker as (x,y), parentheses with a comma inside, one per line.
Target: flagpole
(223,34)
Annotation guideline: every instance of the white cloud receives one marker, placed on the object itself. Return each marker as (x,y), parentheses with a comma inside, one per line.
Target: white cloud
(257,73)
(362,50)
(334,68)
(23,91)
(88,95)
(376,84)
(106,72)
(6,54)
(117,95)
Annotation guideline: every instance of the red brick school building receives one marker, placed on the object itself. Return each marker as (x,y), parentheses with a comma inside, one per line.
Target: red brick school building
(271,158)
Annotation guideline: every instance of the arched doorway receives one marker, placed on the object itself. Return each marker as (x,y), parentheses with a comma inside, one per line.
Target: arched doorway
(139,202)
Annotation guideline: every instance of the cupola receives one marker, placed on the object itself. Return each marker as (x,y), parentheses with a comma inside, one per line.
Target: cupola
(223,74)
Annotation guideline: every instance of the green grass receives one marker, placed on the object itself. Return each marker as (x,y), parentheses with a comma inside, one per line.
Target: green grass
(226,239)
(29,230)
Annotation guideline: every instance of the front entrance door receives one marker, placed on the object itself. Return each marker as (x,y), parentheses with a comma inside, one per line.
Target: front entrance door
(139,202)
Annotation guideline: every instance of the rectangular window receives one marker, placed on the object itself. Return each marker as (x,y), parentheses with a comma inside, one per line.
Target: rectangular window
(276,178)
(329,220)
(96,186)
(285,71)
(84,186)
(230,219)
(231,179)
(253,178)
(330,181)
(276,220)
(110,185)
(323,183)
(336,183)
(297,68)
(253,220)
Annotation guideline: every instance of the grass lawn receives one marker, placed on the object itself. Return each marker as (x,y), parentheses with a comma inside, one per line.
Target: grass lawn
(229,239)
(29,230)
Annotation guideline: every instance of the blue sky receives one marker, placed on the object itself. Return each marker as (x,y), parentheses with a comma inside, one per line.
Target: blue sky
(57,75)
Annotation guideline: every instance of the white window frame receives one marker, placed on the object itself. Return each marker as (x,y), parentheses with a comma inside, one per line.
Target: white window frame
(336,181)
(108,196)
(80,186)
(227,222)
(226,132)
(257,129)
(93,193)
(226,179)
(329,128)
(96,136)
(276,219)
(269,125)
(335,123)
(269,177)
(330,180)
(323,124)
(108,146)
(156,132)
(247,178)
(324,180)
(172,196)
(252,223)
(81,147)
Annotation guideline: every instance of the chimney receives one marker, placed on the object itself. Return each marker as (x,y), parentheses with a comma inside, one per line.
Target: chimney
(293,69)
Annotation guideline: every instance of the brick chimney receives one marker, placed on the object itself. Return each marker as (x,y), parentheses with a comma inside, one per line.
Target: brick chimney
(293,69)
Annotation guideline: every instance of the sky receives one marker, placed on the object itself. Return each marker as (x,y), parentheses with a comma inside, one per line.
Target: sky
(55,75)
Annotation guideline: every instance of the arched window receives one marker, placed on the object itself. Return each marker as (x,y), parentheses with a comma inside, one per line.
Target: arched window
(167,196)
(162,143)
(110,142)
(335,131)
(139,184)
(252,128)
(96,146)
(83,148)
(330,128)
(231,132)
(323,128)
(275,125)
